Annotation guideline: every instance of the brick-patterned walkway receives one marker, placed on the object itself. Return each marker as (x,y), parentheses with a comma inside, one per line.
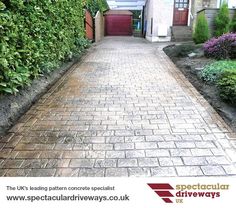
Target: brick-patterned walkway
(124,111)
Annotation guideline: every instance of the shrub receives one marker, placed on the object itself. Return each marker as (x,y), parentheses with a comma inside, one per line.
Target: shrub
(232,25)
(201,32)
(35,37)
(227,86)
(212,72)
(222,20)
(222,47)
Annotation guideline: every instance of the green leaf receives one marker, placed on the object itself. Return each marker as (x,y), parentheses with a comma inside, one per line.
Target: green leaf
(4,62)
(3,84)
(8,90)
(2,6)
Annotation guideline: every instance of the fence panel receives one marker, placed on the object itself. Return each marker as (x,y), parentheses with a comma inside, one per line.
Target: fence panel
(89,25)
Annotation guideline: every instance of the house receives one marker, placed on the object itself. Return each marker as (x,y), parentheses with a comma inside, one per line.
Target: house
(166,20)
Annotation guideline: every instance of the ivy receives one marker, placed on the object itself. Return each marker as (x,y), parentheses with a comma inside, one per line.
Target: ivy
(36,36)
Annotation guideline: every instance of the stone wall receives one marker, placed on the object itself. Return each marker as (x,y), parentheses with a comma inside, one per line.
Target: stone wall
(99,26)
(198,5)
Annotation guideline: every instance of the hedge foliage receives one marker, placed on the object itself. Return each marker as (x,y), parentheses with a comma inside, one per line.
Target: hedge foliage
(201,32)
(227,86)
(36,35)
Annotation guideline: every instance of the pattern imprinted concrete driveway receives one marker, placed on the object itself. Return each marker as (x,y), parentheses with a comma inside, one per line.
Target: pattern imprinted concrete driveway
(125,110)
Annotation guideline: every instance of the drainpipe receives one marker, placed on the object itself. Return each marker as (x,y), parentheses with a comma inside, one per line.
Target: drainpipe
(152,26)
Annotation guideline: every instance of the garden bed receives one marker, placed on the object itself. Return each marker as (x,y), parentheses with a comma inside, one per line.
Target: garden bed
(190,60)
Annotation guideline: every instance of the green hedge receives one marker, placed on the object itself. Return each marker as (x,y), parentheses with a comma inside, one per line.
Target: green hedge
(36,36)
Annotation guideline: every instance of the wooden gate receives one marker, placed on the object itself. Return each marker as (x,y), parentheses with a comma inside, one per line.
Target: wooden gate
(89,25)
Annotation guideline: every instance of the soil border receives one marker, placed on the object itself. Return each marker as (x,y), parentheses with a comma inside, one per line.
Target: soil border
(210,92)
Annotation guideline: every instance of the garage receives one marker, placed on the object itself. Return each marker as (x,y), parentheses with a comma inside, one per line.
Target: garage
(118,23)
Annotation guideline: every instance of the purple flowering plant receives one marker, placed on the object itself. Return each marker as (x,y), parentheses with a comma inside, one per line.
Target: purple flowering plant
(223,47)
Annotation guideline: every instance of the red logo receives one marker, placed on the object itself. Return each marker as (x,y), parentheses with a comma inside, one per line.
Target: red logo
(163,191)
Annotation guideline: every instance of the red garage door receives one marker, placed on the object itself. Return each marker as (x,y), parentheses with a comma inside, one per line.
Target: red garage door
(118,24)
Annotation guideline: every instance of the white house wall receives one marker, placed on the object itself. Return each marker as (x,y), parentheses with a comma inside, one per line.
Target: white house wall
(162,13)
(148,16)
(163,19)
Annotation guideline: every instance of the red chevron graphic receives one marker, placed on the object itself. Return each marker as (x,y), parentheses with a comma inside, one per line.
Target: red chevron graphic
(164,194)
(162,190)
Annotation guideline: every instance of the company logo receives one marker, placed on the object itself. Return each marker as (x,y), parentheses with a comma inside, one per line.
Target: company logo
(163,191)
(178,193)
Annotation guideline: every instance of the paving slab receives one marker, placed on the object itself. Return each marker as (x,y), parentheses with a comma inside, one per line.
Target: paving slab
(124,111)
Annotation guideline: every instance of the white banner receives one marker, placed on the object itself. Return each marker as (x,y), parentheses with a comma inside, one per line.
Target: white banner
(117,192)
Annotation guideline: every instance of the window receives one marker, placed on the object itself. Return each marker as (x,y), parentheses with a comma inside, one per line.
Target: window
(181,3)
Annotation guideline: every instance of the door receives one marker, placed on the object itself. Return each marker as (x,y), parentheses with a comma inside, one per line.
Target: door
(181,9)
(118,25)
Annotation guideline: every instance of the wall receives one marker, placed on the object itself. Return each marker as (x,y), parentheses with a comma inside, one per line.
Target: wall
(99,26)
(198,5)
(162,13)
(148,15)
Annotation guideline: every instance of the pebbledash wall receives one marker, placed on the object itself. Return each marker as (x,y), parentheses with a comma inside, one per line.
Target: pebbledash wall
(99,26)
(158,19)
(159,14)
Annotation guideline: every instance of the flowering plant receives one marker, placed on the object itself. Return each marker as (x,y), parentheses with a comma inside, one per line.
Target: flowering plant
(223,47)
